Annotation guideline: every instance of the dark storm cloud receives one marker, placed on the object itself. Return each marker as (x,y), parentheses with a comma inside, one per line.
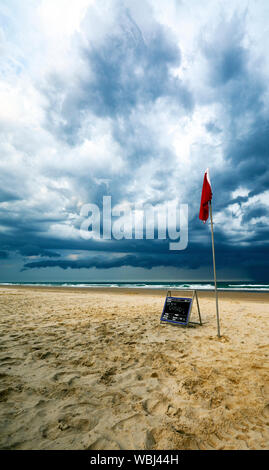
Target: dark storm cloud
(240,89)
(255,212)
(232,77)
(8,195)
(33,250)
(250,155)
(106,262)
(228,60)
(129,72)
(246,165)
(3,255)
(41,245)
(252,261)
(125,71)
(100,262)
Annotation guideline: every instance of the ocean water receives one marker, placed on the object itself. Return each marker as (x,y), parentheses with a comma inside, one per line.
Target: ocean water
(249,286)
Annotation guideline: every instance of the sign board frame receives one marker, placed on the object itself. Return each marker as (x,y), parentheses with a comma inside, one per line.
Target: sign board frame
(188,322)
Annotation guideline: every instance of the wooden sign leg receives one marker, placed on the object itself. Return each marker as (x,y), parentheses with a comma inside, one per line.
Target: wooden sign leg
(198,307)
(195,295)
(189,318)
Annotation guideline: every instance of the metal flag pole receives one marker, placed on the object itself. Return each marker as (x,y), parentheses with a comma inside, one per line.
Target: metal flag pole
(214,266)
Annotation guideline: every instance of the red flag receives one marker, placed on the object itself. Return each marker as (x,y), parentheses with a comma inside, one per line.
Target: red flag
(205,198)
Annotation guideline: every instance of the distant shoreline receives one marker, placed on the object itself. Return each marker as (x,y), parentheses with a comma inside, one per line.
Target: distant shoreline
(256,296)
(207,286)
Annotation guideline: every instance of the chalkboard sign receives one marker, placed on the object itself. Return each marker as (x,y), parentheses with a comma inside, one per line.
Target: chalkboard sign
(176,310)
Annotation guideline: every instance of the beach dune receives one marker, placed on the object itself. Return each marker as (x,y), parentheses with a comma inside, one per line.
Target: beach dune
(95,369)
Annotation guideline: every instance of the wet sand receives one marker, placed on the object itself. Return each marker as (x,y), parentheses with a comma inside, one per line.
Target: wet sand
(93,369)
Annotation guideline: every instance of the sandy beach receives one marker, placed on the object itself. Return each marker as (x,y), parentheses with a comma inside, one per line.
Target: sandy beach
(94,369)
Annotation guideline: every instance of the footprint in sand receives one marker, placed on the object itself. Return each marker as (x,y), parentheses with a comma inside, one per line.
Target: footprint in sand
(68,379)
(155,407)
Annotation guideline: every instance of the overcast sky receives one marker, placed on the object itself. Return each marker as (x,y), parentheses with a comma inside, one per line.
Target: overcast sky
(133,99)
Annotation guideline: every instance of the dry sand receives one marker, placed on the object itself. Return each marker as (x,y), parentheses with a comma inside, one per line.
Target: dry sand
(94,369)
